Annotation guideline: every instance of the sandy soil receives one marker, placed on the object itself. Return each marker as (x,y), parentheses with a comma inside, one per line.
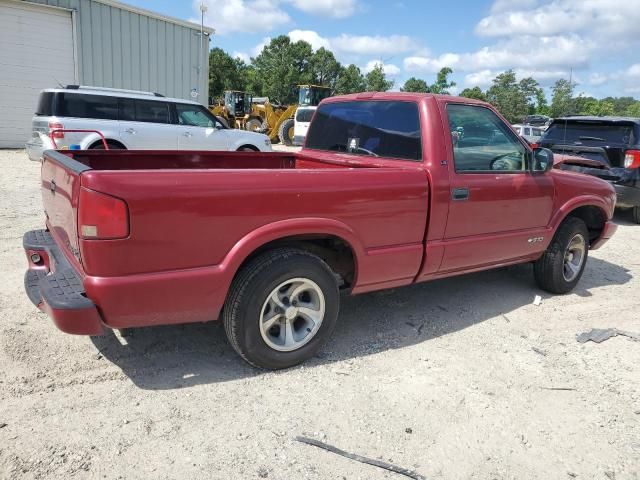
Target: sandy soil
(454,379)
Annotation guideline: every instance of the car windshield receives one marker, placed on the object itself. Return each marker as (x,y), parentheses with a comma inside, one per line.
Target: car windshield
(377,128)
(589,133)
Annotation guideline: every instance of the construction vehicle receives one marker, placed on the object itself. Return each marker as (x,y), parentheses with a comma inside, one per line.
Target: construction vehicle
(309,97)
(258,114)
(235,110)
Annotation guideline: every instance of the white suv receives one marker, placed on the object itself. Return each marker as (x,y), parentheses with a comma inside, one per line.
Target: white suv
(131,120)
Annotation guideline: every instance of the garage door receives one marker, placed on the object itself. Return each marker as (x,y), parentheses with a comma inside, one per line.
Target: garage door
(37,52)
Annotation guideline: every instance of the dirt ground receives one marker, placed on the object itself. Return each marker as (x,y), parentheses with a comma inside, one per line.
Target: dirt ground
(463,378)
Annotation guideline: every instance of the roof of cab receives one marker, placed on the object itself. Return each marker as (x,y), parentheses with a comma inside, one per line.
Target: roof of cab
(400,96)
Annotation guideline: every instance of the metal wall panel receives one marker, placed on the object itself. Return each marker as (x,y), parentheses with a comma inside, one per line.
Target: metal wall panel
(123,49)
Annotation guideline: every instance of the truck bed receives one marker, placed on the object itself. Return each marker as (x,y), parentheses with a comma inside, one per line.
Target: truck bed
(192,214)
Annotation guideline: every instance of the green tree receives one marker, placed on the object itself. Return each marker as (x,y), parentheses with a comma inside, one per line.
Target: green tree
(281,66)
(350,80)
(562,101)
(415,85)
(474,92)
(225,73)
(376,80)
(510,97)
(324,68)
(633,110)
(542,106)
(530,90)
(443,84)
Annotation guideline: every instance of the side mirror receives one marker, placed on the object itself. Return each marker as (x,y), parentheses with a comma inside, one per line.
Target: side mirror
(542,160)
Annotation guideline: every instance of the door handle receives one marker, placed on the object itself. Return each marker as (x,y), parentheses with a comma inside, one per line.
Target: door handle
(458,194)
(130,130)
(187,134)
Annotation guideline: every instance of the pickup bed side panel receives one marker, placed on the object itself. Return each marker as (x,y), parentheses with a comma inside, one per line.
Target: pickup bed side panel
(190,230)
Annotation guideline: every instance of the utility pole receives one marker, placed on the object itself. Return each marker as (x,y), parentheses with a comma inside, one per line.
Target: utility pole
(203,10)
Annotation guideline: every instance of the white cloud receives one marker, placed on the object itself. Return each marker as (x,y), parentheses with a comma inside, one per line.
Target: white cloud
(248,16)
(609,21)
(255,51)
(597,79)
(372,45)
(633,71)
(389,68)
(549,53)
(242,56)
(311,37)
(327,8)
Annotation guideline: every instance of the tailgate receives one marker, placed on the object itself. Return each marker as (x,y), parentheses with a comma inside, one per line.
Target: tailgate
(60,177)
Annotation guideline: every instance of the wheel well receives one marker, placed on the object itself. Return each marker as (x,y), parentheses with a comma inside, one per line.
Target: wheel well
(251,147)
(109,142)
(333,250)
(593,217)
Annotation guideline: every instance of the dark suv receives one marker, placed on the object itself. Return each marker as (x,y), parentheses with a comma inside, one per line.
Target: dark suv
(614,141)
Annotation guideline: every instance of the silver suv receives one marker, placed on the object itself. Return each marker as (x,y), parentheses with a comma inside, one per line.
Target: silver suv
(130,119)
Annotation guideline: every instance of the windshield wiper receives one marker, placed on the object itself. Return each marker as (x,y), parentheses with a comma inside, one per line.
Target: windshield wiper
(586,137)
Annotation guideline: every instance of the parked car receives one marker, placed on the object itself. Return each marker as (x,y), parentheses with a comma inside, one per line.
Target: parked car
(131,120)
(529,133)
(613,141)
(541,121)
(380,196)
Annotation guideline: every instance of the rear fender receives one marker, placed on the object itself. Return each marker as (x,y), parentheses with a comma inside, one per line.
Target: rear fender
(288,228)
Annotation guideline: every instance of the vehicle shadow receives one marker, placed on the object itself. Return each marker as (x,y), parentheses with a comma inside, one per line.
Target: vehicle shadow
(624,217)
(173,357)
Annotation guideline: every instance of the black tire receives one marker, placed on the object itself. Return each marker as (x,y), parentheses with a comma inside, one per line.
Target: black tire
(253,125)
(247,148)
(549,270)
(284,132)
(635,214)
(111,144)
(249,291)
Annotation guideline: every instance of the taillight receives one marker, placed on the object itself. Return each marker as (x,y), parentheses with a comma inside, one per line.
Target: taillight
(533,145)
(56,126)
(632,159)
(101,216)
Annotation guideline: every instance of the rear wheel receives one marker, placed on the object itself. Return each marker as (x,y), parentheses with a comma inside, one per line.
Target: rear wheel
(110,143)
(285,132)
(253,125)
(562,264)
(635,213)
(282,307)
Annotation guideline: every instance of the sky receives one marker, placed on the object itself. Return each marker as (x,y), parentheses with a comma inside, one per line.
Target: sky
(595,41)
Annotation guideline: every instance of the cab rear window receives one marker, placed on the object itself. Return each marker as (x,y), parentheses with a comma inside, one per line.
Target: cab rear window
(388,129)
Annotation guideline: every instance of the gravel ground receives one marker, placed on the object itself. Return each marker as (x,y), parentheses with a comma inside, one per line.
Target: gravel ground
(463,378)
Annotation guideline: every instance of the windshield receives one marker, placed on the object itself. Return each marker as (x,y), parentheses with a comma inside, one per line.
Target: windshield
(312,96)
(377,128)
(589,133)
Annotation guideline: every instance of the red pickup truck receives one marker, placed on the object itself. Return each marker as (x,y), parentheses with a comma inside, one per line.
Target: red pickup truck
(390,189)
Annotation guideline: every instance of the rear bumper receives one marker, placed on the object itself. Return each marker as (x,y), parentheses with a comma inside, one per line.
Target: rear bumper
(55,287)
(607,232)
(35,150)
(628,196)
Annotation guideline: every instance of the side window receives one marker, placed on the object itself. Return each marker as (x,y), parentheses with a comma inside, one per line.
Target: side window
(195,116)
(151,111)
(99,107)
(482,142)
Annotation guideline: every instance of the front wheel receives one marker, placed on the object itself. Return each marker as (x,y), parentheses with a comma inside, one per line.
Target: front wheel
(282,307)
(285,132)
(562,264)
